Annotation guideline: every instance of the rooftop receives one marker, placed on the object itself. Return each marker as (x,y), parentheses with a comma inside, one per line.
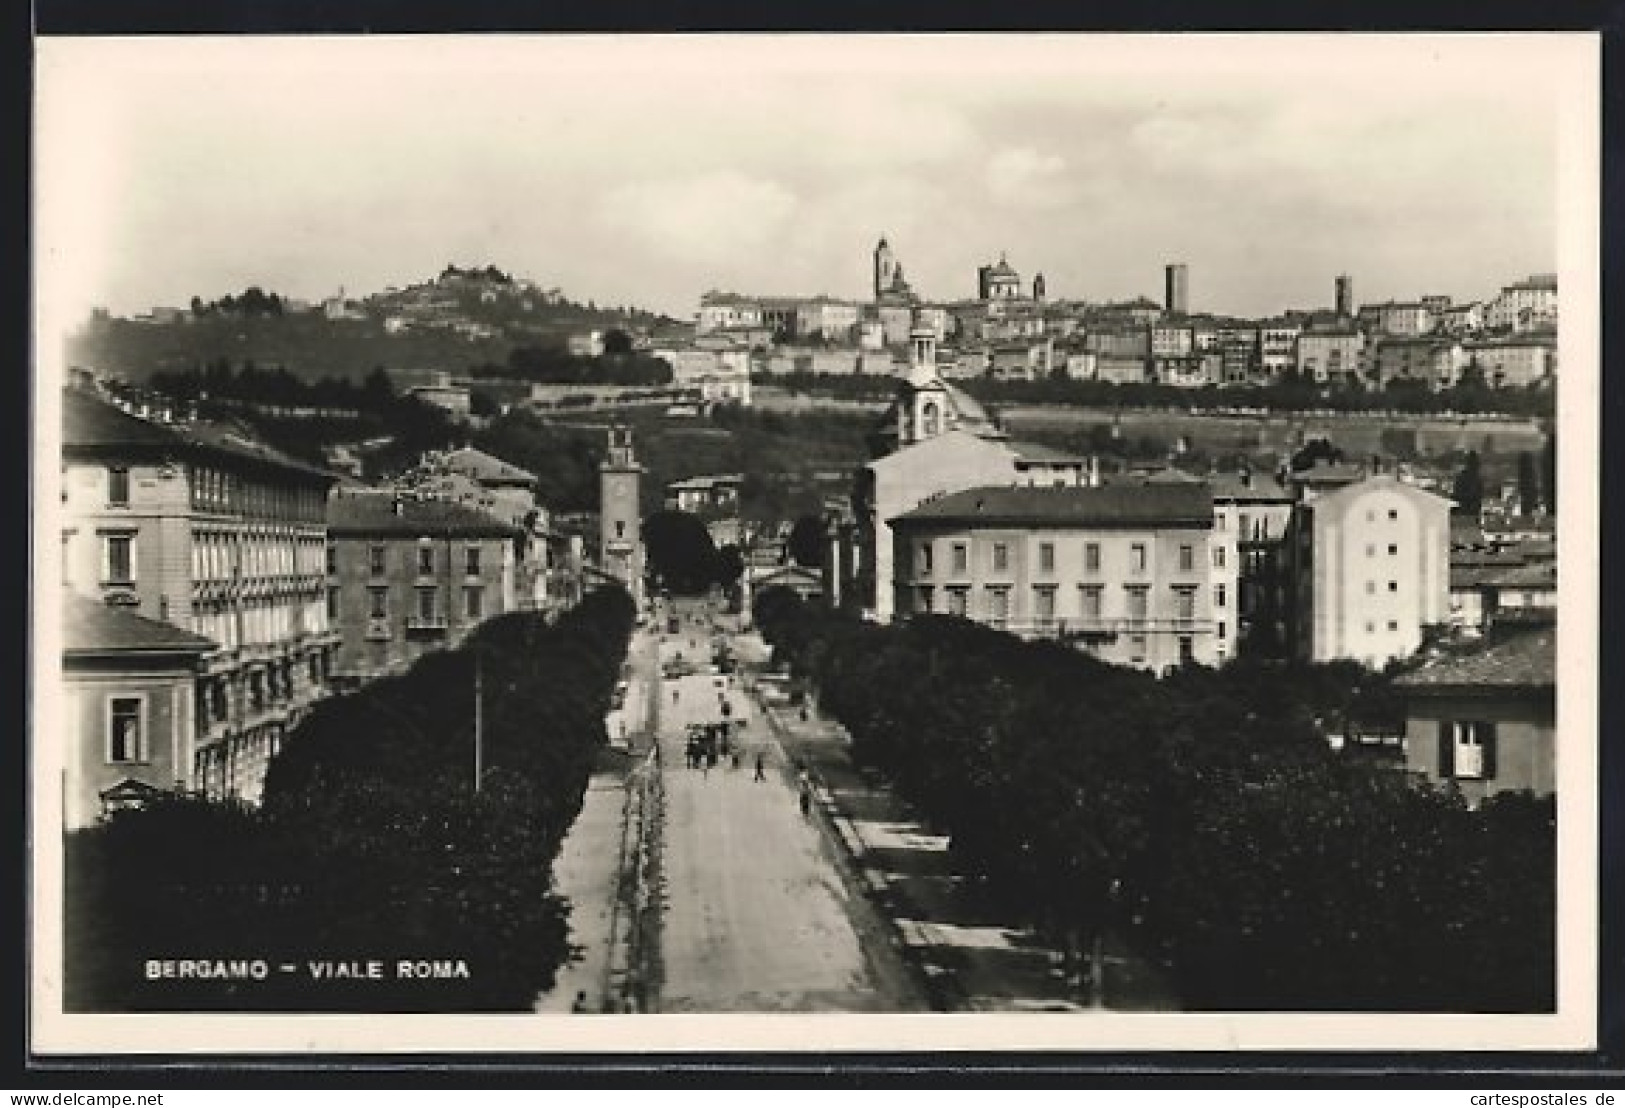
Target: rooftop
(89,627)
(1030,453)
(1524,661)
(1129,504)
(486,468)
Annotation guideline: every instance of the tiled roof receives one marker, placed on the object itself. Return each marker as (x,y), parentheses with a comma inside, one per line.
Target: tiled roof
(89,422)
(1131,504)
(1030,452)
(1525,661)
(376,515)
(92,628)
(1536,575)
(486,467)
(1257,486)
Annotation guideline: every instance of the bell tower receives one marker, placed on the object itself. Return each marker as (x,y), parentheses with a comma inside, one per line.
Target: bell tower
(885,268)
(620,545)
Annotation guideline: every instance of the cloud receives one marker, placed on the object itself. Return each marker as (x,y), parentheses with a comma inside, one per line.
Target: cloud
(1027,178)
(719,219)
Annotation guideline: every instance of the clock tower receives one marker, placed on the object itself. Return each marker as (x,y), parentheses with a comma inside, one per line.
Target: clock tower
(620,546)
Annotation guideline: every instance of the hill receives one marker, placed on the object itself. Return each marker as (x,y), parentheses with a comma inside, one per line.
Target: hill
(459,320)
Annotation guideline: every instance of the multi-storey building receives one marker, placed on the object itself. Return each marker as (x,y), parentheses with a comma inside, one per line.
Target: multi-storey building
(1370,562)
(406,576)
(1402,318)
(1277,350)
(1250,516)
(1436,363)
(1527,305)
(1120,570)
(1329,357)
(130,685)
(1171,339)
(833,320)
(722,310)
(204,529)
(1514,361)
(1239,354)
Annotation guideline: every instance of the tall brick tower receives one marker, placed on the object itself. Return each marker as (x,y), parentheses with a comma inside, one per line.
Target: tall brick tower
(620,516)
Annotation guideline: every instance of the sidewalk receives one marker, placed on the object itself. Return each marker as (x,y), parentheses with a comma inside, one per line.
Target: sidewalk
(587,874)
(971,955)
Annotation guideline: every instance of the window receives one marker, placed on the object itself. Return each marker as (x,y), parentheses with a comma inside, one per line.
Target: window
(1370,549)
(1218,557)
(1467,749)
(376,561)
(1044,602)
(472,559)
(1091,557)
(998,606)
(1218,596)
(426,602)
(925,559)
(1393,625)
(922,599)
(1222,522)
(1370,588)
(1001,557)
(1187,558)
(118,487)
(1185,603)
(620,528)
(961,559)
(332,558)
(1136,649)
(1136,602)
(425,560)
(1242,529)
(1393,548)
(1393,586)
(1392,514)
(1136,558)
(1046,557)
(1187,650)
(1370,627)
(1221,634)
(957,601)
(332,602)
(118,567)
(124,739)
(1091,601)
(378,602)
(474,602)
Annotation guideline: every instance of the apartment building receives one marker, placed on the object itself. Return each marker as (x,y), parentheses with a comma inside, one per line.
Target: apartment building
(1370,565)
(1122,571)
(406,576)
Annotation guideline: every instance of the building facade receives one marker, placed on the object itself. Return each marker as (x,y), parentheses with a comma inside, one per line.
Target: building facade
(202,528)
(1122,571)
(1370,562)
(407,576)
(128,727)
(1484,721)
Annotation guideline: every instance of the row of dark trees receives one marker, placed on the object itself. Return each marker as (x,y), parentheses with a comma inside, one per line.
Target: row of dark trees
(254,303)
(221,381)
(683,557)
(386,833)
(618,365)
(1202,817)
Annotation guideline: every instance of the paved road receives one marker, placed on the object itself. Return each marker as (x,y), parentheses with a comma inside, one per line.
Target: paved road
(757,916)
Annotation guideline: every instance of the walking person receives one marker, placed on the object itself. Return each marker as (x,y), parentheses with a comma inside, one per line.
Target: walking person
(760,775)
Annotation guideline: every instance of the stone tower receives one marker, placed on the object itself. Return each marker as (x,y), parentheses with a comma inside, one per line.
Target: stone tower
(1038,288)
(620,545)
(885,268)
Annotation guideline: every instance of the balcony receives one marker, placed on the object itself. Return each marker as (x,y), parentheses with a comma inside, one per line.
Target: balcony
(1103,629)
(426,625)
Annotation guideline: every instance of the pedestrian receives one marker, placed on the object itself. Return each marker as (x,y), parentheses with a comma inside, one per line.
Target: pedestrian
(760,775)
(806,800)
(580,1004)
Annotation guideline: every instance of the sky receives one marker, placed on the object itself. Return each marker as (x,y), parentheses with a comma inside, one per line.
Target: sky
(646,170)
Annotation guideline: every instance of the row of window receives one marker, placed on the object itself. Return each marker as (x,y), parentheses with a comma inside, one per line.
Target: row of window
(221,556)
(257,622)
(216,490)
(999,558)
(1091,601)
(427,605)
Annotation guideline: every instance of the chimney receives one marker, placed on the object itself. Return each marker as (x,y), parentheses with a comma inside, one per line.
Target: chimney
(397,505)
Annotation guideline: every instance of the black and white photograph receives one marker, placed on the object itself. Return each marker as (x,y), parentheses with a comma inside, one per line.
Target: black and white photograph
(815,542)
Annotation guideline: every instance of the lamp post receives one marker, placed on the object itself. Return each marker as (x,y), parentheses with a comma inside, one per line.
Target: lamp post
(479,719)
